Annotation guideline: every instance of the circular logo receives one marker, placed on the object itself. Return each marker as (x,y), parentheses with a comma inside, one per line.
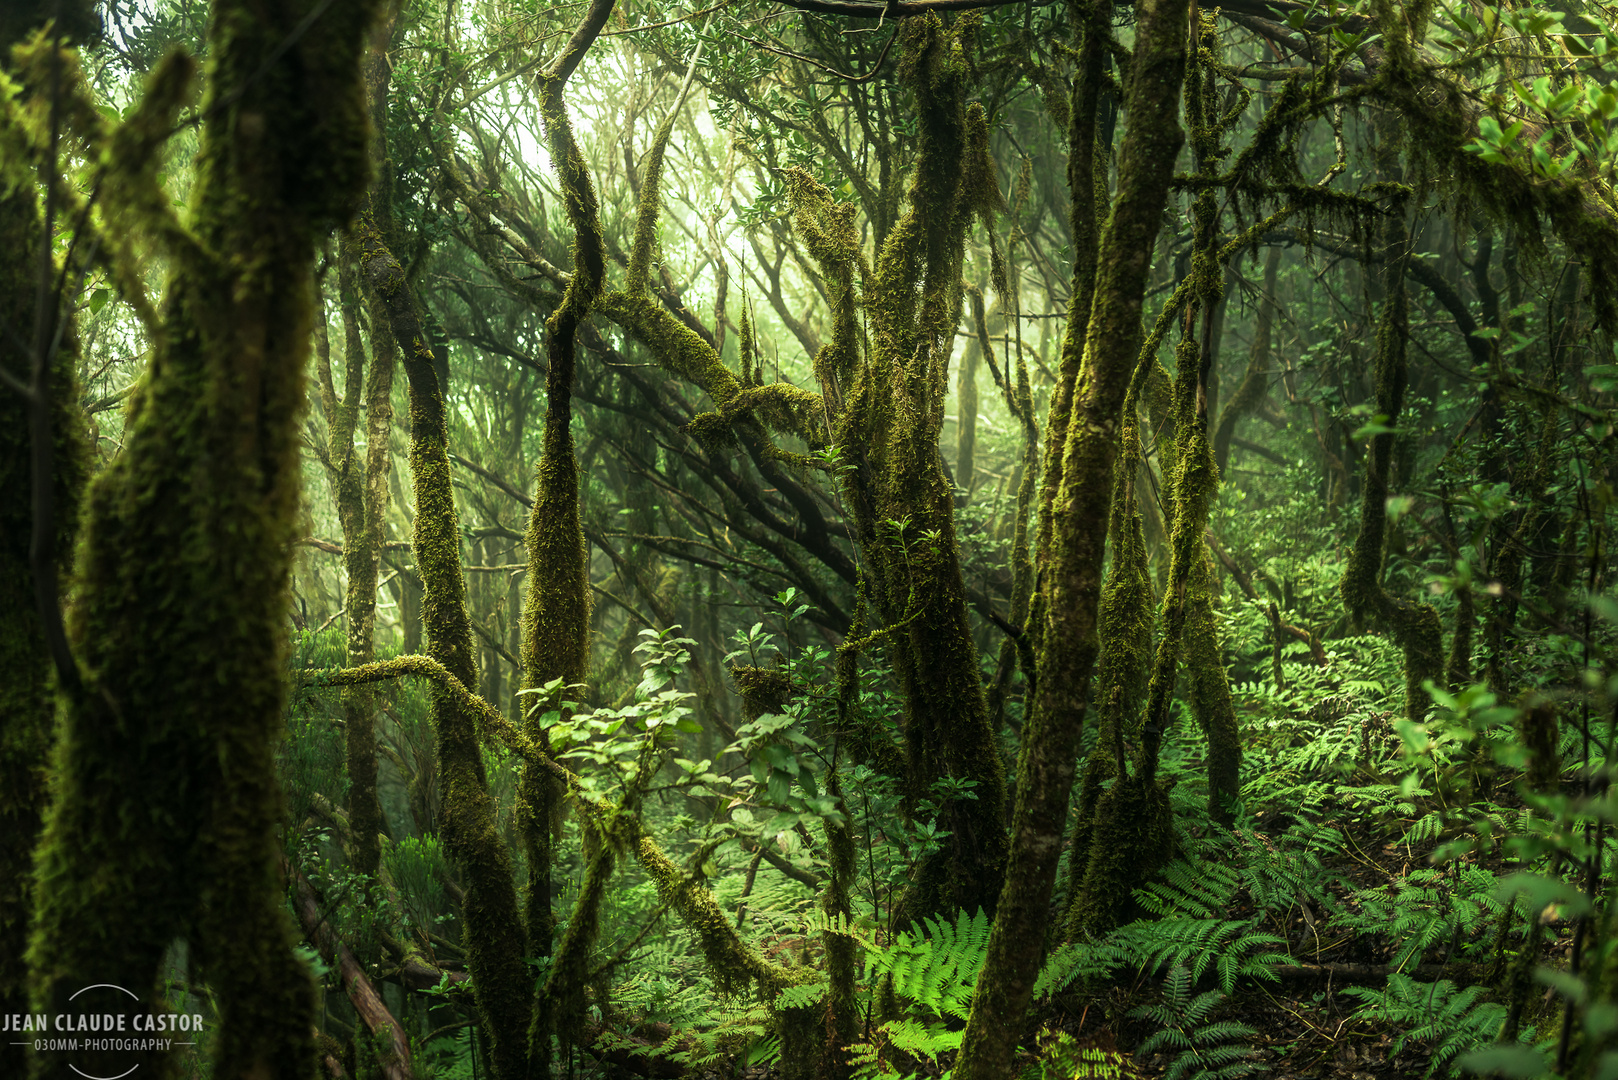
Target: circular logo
(105,1033)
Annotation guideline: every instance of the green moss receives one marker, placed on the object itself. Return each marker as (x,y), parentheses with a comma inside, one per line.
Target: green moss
(564,993)
(556,607)
(495,937)
(27,695)
(763,690)
(680,351)
(361,496)
(1087,198)
(828,231)
(167,802)
(1211,701)
(1134,837)
(1126,625)
(732,963)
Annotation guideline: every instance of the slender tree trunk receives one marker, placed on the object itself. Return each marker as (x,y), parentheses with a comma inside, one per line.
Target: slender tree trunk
(556,611)
(1255,382)
(361,501)
(494,933)
(966,405)
(1414,626)
(1079,514)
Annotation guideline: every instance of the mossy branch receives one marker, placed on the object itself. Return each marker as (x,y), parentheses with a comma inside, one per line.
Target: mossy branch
(733,962)
(493,724)
(651,191)
(679,350)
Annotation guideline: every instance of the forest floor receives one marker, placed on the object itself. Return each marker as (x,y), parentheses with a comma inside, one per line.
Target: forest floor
(1306,1027)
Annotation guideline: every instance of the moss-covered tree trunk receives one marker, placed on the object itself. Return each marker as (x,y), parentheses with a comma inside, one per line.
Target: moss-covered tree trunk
(41,436)
(556,610)
(361,497)
(494,934)
(1124,666)
(902,502)
(1414,626)
(166,820)
(1187,622)
(966,405)
(1079,515)
(886,409)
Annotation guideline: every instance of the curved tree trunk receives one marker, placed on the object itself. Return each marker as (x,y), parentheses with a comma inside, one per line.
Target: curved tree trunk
(556,610)
(494,933)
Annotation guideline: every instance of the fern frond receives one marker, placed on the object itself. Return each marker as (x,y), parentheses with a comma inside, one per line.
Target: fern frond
(1202,889)
(802,995)
(1452,1021)
(935,968)
(1078,960)
(1204,1049)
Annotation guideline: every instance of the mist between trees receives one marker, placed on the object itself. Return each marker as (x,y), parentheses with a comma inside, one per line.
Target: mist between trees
(826,539)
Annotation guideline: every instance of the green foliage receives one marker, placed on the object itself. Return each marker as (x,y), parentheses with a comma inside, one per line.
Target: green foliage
(935,966)
(1450,1021)
(1431,908)
(1204,1048)
(1229,946)
(1061,1058)
(416,867)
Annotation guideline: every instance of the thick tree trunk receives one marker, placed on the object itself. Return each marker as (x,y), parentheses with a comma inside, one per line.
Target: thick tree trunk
(168,806)
(40,436)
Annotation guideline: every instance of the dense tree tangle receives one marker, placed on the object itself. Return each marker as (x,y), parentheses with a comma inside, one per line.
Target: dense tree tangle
(926,537)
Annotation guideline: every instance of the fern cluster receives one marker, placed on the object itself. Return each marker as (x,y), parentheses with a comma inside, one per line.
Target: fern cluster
(932,971)
(1204,1048)
(1429,909)
(1451,1020)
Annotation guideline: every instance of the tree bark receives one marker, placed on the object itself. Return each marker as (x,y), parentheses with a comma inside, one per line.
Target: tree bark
(1079,528)
(41,437)
(556,610)
(165,824)
(494,932)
